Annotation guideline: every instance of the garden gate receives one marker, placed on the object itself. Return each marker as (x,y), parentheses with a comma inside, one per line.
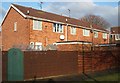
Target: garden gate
(15,65)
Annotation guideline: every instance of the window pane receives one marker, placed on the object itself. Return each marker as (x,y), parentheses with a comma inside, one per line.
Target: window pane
(118,36)
(54,27)
(105,35)
(38,46)
(86,32)
(15,26)
(60,28)
(32,45)
(95,34)
(57,27)
(73,30)
(37,25)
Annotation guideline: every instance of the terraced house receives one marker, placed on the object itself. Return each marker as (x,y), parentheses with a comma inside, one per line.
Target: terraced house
(115,35)
(24,26)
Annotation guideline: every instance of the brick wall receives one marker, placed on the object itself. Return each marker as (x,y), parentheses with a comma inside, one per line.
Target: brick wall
(47,36)
(0,41)
(25,34)
(74,47)
(79,37)
(11,38)
(102,58)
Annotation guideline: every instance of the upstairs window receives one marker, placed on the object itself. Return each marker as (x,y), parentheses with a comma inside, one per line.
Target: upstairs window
(95,34)
(117,37)
(86,32)
(37,25)
(104,35)
(73,30)
(15,26)
(57,28)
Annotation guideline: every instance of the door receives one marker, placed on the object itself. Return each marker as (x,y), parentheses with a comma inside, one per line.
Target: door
(15,65)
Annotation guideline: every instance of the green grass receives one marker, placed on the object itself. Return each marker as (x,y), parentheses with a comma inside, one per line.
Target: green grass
(108,77)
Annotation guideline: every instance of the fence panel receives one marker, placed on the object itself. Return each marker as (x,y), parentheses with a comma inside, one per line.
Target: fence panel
(51,63)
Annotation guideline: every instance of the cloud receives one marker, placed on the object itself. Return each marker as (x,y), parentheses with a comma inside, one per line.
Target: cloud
(80,9)
(2,13)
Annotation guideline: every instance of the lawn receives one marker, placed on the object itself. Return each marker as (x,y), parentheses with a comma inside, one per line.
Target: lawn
(108,77)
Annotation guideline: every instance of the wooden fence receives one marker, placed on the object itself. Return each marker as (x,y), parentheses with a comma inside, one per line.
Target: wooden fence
(53,63)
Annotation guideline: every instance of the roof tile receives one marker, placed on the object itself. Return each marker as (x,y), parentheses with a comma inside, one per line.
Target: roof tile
(55,17)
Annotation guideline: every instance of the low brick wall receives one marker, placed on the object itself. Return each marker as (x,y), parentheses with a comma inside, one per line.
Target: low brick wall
(74,47)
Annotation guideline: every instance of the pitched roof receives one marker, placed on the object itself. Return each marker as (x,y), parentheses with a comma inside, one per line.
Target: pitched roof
(54,17)
(47,15)
(115,30)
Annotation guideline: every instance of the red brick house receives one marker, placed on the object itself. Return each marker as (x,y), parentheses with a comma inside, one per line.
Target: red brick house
(115,35)
(25,26)
(0,41)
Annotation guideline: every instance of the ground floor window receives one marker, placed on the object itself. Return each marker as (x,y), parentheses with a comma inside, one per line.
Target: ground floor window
(36,45)
(117,37)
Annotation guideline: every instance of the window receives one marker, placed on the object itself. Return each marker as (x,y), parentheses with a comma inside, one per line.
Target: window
(117,37)
(111,36)
(104,35)
(32,45)
(38,46)
(86,32)
(15,26)
(73,30)
(95,34)
(57,28)
(37,25)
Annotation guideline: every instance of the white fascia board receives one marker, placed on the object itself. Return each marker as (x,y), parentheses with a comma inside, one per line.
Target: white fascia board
(42,19)
(8,12)
(71,43)
(19,11)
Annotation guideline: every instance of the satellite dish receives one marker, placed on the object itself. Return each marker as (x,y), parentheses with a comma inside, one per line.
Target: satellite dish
(62,37)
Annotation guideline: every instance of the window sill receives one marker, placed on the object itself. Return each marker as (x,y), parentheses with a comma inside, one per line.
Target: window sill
(73,34)
(86,35)
(58,32)
(37,29)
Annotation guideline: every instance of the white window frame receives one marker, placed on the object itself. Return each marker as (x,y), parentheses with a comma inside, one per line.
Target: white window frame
(38,44)
(104,35)
(15,26)
(86,32)
(95,34)
(73,30)
(37,25)
(117,36)
(58,28)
